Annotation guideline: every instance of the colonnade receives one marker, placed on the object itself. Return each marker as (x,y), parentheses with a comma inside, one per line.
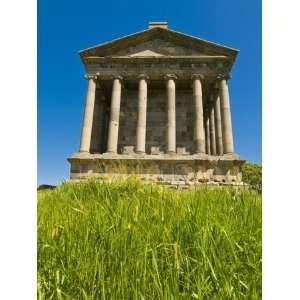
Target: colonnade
(212,134)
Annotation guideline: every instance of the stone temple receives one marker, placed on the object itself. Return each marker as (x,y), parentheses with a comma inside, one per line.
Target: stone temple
(157,106)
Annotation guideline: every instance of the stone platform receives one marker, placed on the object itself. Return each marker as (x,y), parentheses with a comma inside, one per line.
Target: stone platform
(172,169)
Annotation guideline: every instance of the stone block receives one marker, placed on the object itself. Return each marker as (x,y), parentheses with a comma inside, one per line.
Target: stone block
(182,151)
(155,151)
(128,149)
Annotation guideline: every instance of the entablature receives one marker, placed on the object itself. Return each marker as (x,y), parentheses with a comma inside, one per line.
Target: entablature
(157,59)
(156,70)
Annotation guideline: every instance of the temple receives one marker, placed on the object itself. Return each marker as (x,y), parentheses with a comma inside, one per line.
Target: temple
(157,106)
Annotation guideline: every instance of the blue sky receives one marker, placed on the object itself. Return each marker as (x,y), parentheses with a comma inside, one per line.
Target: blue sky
(65,27)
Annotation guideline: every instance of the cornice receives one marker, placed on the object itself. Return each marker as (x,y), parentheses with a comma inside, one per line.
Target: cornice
(156,59)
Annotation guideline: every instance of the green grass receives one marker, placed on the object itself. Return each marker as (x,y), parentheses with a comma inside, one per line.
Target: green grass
(129,240)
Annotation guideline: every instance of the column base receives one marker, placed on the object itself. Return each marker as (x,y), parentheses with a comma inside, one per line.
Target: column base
(81,154)
(199,152)
(231,155)
(201,155)
(110,153)
(171,152)
(140,152)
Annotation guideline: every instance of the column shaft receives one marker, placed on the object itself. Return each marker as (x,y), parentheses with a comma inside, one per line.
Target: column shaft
(142,116)
(113,129)
(171,115)
(86,133)
(207,135)
(226,118)
(199,135)
(212,131)
(218,126)
(101,136)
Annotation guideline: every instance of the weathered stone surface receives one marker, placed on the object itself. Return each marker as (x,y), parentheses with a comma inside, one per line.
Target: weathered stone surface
(162,168)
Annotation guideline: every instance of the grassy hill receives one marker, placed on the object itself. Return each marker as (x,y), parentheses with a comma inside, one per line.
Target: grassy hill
(130,240)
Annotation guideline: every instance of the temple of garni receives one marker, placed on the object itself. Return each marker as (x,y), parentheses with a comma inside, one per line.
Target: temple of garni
(157,106)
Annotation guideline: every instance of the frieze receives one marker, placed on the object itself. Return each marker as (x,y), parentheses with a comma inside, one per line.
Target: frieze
(157,71)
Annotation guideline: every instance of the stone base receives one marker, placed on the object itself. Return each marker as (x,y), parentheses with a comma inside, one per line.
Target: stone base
(175,170)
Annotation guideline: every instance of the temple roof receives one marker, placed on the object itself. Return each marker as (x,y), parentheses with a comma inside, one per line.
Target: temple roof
(158,42)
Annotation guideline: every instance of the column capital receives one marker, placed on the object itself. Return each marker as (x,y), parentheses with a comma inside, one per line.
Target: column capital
(143,76)
(117,76)
(223,76)
(170,76)
(197,76)
(91,76)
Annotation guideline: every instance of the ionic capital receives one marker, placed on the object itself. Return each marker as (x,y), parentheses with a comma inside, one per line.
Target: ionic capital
(223,76)
(170,76)
(197,76)
(117,77)
(143,76)
(91,76)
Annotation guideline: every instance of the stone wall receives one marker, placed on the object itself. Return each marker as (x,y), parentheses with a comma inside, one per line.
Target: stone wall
(128,120)
(156,121)
(184,121)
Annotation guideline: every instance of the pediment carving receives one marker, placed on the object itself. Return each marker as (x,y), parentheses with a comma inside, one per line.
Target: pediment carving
(145,53)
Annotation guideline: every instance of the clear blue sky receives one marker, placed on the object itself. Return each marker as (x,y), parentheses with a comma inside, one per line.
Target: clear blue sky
(65,27)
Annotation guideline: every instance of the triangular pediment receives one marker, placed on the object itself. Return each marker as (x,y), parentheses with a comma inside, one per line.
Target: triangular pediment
(158,42)
(146,53)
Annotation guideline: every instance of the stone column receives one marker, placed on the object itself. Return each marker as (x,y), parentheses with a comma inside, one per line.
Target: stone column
(218,126)
(86,133)
(212,131)
(199,135)
(225,116)
(207,133)
(171,113)
(113,129)
(102,109)
(142,115)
